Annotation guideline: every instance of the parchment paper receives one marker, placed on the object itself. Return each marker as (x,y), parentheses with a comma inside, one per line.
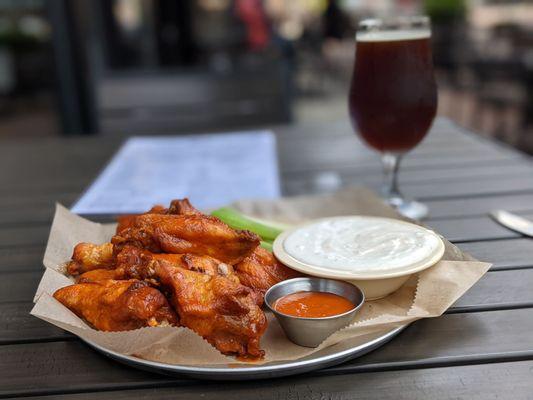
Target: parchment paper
(426,294)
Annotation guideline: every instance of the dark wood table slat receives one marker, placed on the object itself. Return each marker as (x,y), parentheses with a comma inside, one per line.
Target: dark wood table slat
(471,229)
(348,149)
(451,337)
(18,326)
(475,187)
(27,258)
(479,206)
(325,162)
(19,286)
(475,382)
(18,236)
(474,228)
(507,169)
(441,341)
(499,289)
(444,134)
(426,191)
(511,253)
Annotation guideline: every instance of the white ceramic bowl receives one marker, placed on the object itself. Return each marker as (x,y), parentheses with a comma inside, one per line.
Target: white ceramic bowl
(374,283)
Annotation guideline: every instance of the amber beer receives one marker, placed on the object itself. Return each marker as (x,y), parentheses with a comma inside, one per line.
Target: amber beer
(393,96)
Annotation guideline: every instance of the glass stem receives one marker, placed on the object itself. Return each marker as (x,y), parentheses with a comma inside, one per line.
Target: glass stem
(391,165)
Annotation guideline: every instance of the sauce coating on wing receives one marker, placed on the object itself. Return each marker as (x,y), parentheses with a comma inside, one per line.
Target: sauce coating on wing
(182,207)
(117,305)
(223,312)
(100,275)
(178,207)
(190,233)
(193,259)
(126,221)
(89,256)
(261,270)
(137,263)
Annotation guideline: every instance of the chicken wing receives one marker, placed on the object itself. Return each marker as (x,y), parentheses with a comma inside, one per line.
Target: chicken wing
(261,270)
(177,207)
(191,233)
(96,275)
(134,262)
(118,305)
(126,221)
(220,310)
(89,256)
(183,207)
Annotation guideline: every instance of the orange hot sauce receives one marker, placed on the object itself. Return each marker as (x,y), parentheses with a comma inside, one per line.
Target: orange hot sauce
(313,304)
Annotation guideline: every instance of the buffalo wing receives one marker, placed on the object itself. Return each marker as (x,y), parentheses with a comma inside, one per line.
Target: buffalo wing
(261,270)
(189,233)
(89,256)
(137,263)
(96,275)
(117,305)
(223,312)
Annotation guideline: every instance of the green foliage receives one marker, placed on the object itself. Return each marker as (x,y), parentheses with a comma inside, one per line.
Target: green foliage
(18,41)
(445,10)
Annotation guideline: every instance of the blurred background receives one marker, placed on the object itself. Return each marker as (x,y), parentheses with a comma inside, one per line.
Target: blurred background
(124,67)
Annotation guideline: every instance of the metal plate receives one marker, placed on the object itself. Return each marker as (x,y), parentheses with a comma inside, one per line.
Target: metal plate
(328,357)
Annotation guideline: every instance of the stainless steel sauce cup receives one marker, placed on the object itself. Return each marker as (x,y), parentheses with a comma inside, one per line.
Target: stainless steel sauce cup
(310,332)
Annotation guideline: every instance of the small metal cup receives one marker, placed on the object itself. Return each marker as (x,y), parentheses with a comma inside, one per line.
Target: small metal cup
(310,332)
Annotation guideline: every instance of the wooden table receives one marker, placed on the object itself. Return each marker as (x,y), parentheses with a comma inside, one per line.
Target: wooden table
(481,348)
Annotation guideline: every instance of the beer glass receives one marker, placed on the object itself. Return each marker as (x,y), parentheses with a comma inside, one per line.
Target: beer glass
(393,95)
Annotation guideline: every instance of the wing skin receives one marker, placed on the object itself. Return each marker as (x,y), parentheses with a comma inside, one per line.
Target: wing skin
(118,305)
(223,312)
(89,256)
(96,275)
(135,263)
(193,259)
(182,207)
(177,207)
(126,221)
(190,233)
(261,270)
(140,264)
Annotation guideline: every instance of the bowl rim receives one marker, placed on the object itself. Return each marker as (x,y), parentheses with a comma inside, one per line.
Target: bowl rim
(272,308)
(290,261)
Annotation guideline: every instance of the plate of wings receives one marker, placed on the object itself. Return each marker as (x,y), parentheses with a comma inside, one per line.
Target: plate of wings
(176,266)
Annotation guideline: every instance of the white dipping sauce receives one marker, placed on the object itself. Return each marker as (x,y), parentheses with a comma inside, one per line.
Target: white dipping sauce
(361,244)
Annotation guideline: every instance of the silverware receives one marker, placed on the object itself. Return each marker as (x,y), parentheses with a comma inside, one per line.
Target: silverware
(513,222)
(310,332)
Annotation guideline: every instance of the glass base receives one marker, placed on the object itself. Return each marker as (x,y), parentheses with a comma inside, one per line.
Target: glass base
(409,208)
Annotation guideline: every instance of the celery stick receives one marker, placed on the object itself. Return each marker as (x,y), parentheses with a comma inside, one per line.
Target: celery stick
(273,224)
(238,221)
(266,245)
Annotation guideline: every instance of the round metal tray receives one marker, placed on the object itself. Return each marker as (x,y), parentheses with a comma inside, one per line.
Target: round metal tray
(328,357)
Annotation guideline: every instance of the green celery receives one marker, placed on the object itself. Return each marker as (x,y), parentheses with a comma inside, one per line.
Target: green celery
(237,220)
(266,245)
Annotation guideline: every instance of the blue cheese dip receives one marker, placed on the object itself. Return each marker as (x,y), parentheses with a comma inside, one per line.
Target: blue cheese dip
(362,244)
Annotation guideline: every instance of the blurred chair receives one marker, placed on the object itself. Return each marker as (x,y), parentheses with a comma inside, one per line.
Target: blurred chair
(193,101)
(153,75)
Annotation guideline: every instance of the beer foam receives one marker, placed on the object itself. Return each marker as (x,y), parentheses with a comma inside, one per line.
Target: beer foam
(393,35)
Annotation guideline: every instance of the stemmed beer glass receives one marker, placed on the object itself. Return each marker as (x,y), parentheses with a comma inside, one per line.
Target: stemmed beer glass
(393,95)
